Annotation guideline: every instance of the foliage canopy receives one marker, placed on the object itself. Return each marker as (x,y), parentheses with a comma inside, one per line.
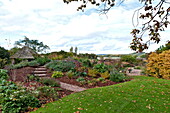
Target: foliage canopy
(33,44)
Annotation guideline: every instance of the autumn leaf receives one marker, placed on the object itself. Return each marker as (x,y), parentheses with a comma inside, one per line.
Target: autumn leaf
(80,108)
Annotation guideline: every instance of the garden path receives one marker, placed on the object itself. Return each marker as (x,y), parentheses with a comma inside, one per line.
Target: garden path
(71,87)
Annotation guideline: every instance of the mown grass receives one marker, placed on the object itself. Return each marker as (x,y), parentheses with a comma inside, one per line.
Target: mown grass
(141,95)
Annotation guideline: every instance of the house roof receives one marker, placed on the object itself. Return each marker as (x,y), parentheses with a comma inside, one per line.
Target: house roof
(24,53)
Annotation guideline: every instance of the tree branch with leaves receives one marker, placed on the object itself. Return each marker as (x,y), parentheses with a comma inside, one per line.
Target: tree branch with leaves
(155,15)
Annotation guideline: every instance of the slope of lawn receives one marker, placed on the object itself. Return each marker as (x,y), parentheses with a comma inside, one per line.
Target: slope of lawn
(141,95)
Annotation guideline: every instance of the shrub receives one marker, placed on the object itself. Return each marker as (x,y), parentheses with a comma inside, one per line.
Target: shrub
(58,57)
(101,79)
(63,66)
(105,75)
(81,80)
(42,60)
(70,74)
(129,58)
(33,63)
(50,82)
(85,62)
(117,76)
(20,65)
(47,92)
(15,99)
(138,67)
(4,57)
(19,101)
(3,74)
(57,74)
(93,72)
(3,62)
(101,68)
(92,82)
(81,71)
(32,78)
(158,65)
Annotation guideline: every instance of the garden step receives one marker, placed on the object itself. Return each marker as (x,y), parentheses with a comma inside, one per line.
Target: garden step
(40,69)
(39,72)
(41,75)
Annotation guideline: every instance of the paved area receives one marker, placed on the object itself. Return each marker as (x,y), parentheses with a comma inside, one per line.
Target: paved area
(134,72)
(71,87)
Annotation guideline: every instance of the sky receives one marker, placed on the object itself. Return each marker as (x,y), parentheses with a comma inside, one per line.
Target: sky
(61,26)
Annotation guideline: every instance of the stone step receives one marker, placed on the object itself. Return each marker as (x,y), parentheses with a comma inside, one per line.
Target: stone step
(40,72)
(40,69)
(41,75)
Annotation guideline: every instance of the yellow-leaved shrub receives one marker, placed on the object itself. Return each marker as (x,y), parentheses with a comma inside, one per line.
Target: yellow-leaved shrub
(159,64)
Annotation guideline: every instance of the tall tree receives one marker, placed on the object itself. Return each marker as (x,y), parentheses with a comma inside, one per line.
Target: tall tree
(4,57)
(76,49)
(156,16)
(4,54)
(71,49)
(33,44)
(163,48)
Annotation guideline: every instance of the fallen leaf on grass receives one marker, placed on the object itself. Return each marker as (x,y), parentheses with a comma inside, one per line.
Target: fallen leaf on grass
(80,108)
(77,112)
(134,101)
(149,106)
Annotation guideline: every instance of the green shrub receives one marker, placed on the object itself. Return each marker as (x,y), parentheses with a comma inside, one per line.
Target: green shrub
(7,87)
(15,99)
(33,63)
(70,74)
(85,62)
(101,68)
(3,74)
(42,60)
(117,76)
(19,101)
(50,82)
(78,73)
(20,65)
(100,79)
(128,58)
(92,82)
(63,66)
(81,80)
(32,78)
(57,74)
(3,62)
(138,67)
(47,92)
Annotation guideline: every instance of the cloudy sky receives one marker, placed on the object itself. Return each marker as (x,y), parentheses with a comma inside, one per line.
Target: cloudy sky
(60,26)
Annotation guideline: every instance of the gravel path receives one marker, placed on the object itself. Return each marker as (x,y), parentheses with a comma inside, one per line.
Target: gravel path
(71,87)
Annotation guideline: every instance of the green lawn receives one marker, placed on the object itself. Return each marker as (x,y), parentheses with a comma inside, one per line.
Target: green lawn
(141,95)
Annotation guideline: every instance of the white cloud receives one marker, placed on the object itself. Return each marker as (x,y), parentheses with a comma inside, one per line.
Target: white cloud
(60,26)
